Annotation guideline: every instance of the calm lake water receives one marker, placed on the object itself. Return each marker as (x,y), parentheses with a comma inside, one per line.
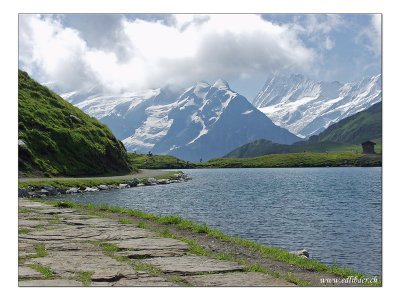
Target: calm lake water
(334,213)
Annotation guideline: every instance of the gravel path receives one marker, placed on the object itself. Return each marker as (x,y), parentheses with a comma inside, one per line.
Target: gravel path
(70,247)
(142,173)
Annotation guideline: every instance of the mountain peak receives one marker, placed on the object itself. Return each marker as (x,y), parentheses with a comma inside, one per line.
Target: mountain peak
(221,84)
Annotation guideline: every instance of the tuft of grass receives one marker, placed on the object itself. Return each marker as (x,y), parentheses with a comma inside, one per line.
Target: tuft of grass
(23,231)
(85,277)
(125,221)
(65,204)
(46,271)
(152,270)
(24,211)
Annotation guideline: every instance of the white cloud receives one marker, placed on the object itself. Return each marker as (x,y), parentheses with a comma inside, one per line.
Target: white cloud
(155,53)
(329,44)
(371,36)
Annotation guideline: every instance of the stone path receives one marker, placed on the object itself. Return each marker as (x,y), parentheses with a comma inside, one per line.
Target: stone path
(68,247)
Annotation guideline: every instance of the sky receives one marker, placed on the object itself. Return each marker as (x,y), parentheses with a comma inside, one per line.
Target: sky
(117,53)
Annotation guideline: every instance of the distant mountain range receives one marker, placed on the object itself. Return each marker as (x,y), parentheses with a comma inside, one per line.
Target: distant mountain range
(207,121)
(202,122)
(306,107)
(360,127)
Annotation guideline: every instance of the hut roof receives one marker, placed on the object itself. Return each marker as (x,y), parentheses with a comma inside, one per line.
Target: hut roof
(368,142)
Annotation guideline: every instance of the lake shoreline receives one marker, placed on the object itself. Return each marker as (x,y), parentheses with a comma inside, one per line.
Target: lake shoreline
(211,243)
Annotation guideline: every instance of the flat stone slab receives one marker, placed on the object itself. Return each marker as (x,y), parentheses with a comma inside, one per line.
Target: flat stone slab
(91,221)
(237,279)
(29,223)
(188,265)
(47,283)
(53,211)
(87,233)
(31,204)
(149,253)
(26,272)
(147,281)
(152,243)
(67,263)
(71,247)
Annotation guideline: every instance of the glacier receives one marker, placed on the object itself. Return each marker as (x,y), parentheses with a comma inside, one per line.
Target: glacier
(306,107)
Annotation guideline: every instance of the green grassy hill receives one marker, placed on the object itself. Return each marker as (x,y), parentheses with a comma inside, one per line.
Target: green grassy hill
(297,160)
(360,127)
(143,161)
(346,135)
(59,139)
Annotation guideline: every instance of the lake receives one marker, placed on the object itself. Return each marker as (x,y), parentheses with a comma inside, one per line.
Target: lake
(334,213)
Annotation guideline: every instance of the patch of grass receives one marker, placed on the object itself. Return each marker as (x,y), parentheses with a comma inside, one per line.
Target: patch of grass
(143,161)
(125,221)
(110,249)
(152,270)
(85,277)
(65,204)
(23,231)
(24,211)
(295,160)
(143,225)
(46,271)
(40,250)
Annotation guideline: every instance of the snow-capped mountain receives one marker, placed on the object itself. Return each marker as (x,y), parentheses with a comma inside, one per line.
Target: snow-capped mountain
(204,121)
(306,107)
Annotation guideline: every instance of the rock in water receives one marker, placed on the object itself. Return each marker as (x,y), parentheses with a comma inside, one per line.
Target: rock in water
(302,253)
(22,193)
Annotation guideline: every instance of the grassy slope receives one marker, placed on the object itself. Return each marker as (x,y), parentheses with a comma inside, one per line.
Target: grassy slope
(358,128)
(290,160)
(58,143)
(143,161)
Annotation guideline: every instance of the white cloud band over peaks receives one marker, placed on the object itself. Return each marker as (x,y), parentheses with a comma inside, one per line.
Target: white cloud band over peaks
(118,53)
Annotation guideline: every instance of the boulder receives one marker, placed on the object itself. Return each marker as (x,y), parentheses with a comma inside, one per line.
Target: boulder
(150,181)
(72,191)
(103,187)
(133,182)
(61,190)
(51,189)
(22,193)
(91,189)
(163,181)
(42,192)
(302,253)
(122,185)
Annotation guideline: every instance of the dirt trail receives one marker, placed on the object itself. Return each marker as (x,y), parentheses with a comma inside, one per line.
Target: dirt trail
(142,173)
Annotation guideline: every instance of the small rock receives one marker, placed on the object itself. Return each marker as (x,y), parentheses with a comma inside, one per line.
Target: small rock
(91,189)
(42,192)
(72,191)
(122,185)
(103,187)
(163,181)
(22,193)
(61,190)
(302,253)
(150,181)
(51,189)
(21,143)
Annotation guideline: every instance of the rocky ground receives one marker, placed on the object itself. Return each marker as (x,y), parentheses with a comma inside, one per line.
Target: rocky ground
(70,247)
(142,173)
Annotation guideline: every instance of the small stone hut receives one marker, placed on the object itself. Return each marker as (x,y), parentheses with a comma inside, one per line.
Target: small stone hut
(368,147)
